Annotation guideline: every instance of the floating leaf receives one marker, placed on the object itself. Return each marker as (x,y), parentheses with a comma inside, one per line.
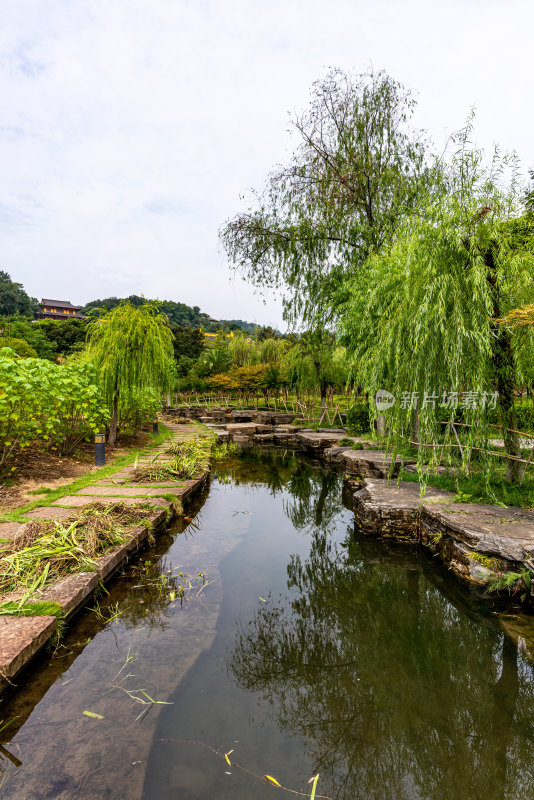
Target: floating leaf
(227,759)
(93,715)
(272,780)
(172,595)
(263,600)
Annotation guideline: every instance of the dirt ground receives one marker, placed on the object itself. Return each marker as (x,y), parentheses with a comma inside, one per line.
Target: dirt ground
(37,468)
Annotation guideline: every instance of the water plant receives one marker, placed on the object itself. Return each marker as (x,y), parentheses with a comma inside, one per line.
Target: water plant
(138,695)
(224,450)
(512,582)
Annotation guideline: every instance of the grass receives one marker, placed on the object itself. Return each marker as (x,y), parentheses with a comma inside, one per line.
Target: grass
(474,489)
(88,479)
(46,550)
(512,582)
(187,460)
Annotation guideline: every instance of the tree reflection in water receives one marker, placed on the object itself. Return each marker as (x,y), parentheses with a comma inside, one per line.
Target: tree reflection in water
(397,690)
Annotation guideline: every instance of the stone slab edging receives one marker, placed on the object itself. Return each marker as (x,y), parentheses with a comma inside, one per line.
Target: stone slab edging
(475,541)
(23,638)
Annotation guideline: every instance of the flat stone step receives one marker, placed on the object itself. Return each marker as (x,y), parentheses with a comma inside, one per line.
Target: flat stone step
(490,530)
(126,491)
(387,509)
(78,501)
(21,638)
(371,463)
(49,512)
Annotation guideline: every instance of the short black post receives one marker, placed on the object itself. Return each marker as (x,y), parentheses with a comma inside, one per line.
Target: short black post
(100,449)
(155,426)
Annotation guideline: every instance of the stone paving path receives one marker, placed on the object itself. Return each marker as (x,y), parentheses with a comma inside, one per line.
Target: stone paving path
(21,638)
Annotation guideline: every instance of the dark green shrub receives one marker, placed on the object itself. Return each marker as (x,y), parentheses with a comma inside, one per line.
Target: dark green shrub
(358,419)
(19,346)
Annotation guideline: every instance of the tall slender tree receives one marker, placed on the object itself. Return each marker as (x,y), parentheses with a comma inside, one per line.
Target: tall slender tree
(132,347)
(356,170)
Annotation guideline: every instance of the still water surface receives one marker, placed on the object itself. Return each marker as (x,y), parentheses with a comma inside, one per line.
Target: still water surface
(310,649)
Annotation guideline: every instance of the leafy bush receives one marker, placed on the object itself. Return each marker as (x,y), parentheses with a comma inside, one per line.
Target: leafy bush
(140,407)
(79,407)
(358,419)
(40,400)
(32,332)
(20,347)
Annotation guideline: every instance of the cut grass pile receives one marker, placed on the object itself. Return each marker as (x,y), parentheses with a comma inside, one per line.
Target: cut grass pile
(187,460)
(46,550)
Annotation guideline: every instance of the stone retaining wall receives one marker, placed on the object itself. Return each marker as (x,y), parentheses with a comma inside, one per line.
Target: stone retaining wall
(477,542)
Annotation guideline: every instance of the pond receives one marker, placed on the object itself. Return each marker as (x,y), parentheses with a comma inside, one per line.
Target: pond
(300,647)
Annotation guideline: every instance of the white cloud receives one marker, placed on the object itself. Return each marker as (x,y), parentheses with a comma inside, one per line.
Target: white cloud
(128,130)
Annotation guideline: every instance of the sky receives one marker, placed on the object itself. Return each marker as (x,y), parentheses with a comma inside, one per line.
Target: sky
(130,130)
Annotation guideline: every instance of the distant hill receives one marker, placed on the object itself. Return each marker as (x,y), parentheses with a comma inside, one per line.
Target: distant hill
(178,314)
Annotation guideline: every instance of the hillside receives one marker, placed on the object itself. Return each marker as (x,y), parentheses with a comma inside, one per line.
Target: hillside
(178,313)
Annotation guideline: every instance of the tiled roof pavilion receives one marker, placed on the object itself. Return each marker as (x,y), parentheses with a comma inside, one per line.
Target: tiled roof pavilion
(58,309)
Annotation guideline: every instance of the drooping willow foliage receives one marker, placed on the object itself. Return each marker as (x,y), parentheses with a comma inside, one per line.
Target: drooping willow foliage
(357,168)
(132,350)
(423,316)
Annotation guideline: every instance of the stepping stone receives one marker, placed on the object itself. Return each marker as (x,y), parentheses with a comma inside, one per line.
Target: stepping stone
(49,512)
(70,592)
(494,531)
(118,491)
(8,530)
(78,501)
(371,463)
(21,638)
(385,508)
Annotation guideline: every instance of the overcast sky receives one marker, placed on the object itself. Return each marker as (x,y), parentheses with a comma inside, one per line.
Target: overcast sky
(130,129)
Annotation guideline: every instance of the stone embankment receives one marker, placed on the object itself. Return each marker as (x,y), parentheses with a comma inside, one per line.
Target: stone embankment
(479,543)
(22,638)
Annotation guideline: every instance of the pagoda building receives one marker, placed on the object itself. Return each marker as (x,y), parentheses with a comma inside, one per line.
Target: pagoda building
(58,309)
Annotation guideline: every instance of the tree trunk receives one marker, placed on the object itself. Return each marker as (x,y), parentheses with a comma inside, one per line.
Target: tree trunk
(415,427)
(504,372)
(380,425)
(112,438)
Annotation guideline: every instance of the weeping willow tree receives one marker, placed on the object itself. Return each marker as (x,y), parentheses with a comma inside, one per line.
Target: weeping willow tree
(316,362)
(423,317)
(132,349)
(356,169)
(520,316)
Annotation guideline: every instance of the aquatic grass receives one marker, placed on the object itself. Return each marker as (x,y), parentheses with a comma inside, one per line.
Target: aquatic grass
(140,696)
(264,777)
(224,450)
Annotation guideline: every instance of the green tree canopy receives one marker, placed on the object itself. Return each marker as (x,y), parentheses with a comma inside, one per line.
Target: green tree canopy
(132,350)
(13,298)
(21,327)
(356,170)
(187,342)
(66,335)
(423,317)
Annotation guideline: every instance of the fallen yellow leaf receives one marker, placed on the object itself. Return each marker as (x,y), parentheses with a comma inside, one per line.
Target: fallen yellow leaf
(272,780)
